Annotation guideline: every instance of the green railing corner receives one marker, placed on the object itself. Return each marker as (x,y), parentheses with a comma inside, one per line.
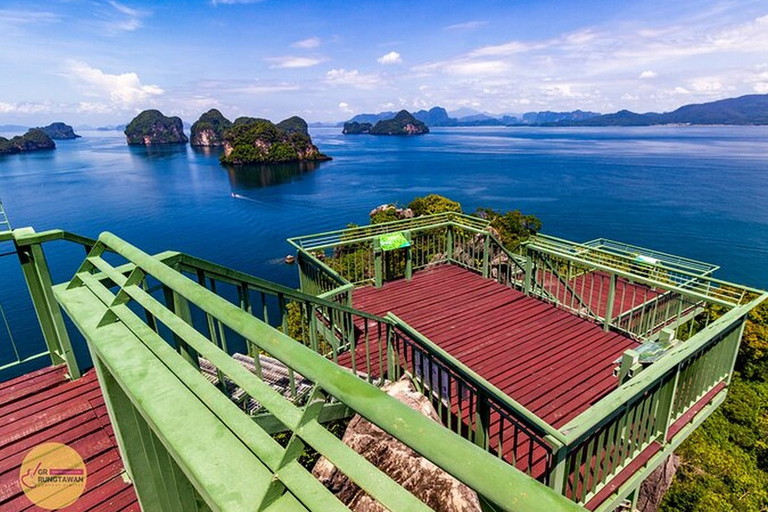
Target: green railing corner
(176,427)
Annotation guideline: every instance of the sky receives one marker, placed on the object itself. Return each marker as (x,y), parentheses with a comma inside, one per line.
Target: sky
(101,62)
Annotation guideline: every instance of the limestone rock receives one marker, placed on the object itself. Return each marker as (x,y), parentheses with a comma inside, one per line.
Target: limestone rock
(34,140)
(60,131)
(152,127)
(251,140)
(209,129)
(657,484)
(430,484)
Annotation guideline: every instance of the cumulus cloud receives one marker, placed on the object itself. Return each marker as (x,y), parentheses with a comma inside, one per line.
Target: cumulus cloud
(390,58)
(648,74)
(352,78)
(309,43)
(24,108)
(124,90)
(344,107)
(289,61)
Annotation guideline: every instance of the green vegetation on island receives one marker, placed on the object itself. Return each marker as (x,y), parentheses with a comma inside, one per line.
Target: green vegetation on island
(34,140)
(402,124)
(251,140)
(60,131)
(209,129)
(152,127)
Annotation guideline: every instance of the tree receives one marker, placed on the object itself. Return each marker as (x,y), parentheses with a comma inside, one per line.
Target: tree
(432,204)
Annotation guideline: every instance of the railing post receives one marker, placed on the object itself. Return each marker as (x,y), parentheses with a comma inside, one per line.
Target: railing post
(408,257)
(392,357)
(528,274)
(557,474)
(609,304)
(666,402)
(378,269)
(449,244)
(486,254)
(482,421)
(302,277)
(39,284)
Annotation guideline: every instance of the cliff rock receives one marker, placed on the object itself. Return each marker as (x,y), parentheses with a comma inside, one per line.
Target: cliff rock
(250,140)
(152,127)
(209,129)
(60,131)
(656,485)
(432,485)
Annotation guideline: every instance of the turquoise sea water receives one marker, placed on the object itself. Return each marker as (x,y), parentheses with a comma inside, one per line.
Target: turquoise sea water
(700,192)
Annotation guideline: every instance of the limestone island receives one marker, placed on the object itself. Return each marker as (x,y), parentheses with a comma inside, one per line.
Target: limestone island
(257,141)
(34,140)
(60,131)
(208,131)
(402,124)
(152,127)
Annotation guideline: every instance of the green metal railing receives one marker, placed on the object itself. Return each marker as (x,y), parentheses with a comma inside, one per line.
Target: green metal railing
(624,288)
(162,408)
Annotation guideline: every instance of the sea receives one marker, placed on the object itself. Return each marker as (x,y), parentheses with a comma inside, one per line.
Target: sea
(698,192)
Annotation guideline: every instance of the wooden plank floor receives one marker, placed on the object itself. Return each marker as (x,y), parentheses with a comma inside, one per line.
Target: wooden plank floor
(44,406)
(553,363)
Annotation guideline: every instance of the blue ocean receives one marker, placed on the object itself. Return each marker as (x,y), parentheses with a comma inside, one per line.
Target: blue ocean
(700,192)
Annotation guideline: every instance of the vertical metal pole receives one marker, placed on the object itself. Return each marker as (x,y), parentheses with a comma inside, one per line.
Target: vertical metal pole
(609,305)
(528,274)
(378,271)
(449,244)
(408,258)
(39,284)
(557,474)
(486,254)
(482,422)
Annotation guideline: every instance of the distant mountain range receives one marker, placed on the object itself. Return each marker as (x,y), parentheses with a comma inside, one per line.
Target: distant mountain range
(745,110)
(438,116)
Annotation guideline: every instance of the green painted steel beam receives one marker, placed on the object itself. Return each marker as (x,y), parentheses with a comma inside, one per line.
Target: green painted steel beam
(499,482)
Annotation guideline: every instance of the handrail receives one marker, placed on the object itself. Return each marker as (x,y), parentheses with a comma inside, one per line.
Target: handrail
(542,426)
(495,480)
(710,285)
(362,233)
(598,413)
(237,276)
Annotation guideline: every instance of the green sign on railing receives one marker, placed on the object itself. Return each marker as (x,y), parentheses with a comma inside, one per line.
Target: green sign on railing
(392,241)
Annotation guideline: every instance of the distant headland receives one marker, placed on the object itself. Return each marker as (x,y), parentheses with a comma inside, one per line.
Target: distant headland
(34,140)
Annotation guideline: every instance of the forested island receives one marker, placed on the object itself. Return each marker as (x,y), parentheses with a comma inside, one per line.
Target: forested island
(34,140)
(403,123)
(60,131)
(152,127)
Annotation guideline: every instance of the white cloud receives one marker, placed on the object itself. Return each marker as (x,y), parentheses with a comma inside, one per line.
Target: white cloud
(19,17)
(476,68)
(24,108)
(125,19)
(344,107)
(352,78)
(309,43)
(124,90)
(469,25)
(289,61)
(681,90)
(648,74)
(390,58)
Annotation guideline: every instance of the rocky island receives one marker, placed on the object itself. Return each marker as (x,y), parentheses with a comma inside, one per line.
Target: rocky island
(60,131)
(152,127)
(251,140)
(402,124)
(34,140)
(208,131)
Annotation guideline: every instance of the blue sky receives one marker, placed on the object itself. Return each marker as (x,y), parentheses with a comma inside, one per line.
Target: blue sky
(101,62)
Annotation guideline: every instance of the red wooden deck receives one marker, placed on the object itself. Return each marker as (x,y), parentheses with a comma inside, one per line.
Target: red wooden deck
(44,406)
(553,363)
